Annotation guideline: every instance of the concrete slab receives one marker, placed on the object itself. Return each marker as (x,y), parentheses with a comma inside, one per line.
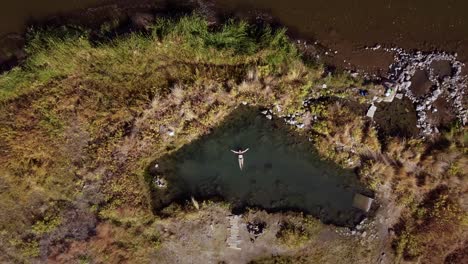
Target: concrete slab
(362,202)
(371,111)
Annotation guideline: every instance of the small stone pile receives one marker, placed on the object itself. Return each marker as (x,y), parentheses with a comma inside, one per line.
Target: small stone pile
(290,119)
(160,182)
(256,228)
(366,231)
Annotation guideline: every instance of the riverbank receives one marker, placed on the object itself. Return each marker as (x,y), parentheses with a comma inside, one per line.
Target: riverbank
(374,61)
(81,121)
(389,24)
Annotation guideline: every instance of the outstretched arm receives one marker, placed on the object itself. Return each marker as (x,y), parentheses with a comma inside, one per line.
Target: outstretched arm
(237,152)
(242,152)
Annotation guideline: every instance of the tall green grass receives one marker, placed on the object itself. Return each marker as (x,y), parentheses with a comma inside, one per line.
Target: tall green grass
(49,57)
(58,54)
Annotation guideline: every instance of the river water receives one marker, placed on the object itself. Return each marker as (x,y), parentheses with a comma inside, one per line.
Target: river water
(342,25)
(282,171)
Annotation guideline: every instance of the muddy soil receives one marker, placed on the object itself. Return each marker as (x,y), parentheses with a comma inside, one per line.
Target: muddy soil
(397,118)
(420,83)
(444,115)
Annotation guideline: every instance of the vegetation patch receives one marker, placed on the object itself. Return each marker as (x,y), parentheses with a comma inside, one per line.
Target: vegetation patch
(81,120)
(435,226)
(297,234)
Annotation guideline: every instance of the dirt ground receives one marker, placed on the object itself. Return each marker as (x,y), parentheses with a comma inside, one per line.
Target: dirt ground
(202,235)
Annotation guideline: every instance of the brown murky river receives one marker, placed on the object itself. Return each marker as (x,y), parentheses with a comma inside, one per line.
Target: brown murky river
(342,25)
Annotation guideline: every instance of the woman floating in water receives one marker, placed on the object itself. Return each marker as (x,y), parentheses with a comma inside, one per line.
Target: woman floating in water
(241,156)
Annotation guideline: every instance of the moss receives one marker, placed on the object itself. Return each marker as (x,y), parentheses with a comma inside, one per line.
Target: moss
(46,225)
(433,226)
(31,249)
(293,235)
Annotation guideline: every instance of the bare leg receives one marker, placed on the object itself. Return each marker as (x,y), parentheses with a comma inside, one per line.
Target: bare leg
(241,163)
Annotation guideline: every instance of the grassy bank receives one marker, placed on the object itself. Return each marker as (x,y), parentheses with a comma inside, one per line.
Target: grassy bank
(80,121)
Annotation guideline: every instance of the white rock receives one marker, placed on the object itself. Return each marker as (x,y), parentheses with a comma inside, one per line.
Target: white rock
(371,111)
(436,92)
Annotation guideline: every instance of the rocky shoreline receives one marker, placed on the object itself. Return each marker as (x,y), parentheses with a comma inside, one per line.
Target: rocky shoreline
(449,86)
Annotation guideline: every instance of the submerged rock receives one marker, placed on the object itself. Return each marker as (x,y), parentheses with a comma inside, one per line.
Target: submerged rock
(160,182)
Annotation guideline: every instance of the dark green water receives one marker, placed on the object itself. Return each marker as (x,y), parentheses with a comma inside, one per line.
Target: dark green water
(281,171)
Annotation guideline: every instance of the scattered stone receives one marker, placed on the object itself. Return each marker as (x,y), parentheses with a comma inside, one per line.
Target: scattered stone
(256,228)
(160,182)
(171,133)
(269,116)
(376,47)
